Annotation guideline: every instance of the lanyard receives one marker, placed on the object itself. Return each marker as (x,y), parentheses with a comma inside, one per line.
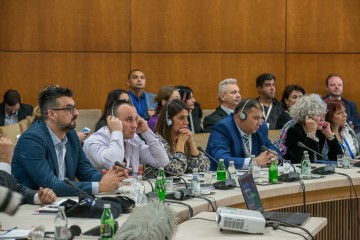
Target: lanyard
(348,147)
(268,112)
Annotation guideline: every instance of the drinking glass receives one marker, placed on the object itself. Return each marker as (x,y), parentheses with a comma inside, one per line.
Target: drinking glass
(346,162)
(340,159)
(208,177)
(37,232)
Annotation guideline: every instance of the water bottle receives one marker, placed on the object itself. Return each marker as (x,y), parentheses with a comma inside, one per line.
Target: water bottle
(273,172)
(221,171)
(139,192)
(160,188)
(306,166)
(232,170)
(195,181)
(161,173)
(61,224)
(254,169)
(107,223)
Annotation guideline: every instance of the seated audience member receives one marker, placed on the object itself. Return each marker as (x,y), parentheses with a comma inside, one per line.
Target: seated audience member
(50,150)
(290,95)
(195,111)
(164,95)
(43,196)
(310,128)
(345,135)
(265,84)
(142,100)
(172,129)
(118,141)
(12,110)
(240,135)
(229,97)
(117,94)
(334,88)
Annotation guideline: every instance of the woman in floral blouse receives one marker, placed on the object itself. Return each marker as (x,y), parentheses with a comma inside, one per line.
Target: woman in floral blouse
(172,129)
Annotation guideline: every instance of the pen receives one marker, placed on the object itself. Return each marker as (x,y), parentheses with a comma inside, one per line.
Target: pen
(7,231)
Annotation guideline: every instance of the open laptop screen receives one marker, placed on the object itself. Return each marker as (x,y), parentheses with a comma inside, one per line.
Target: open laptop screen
(250,192)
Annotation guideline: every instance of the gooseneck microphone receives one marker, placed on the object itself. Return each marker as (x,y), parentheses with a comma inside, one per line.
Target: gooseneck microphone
(131,171)
(357,164)
(325,170)
(225,184)
(89,201)
(288,177)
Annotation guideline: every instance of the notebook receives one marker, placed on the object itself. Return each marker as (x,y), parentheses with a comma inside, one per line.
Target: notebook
(253,202)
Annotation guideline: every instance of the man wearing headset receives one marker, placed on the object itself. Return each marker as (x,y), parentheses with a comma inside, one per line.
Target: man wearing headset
(118,140)
(240,135)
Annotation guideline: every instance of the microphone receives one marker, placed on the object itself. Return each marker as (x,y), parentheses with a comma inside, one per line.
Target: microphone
(288,177)
(180,194)
(357,164)
(74,231)
(89,196)
(131,171)
(225,184)
(327,169)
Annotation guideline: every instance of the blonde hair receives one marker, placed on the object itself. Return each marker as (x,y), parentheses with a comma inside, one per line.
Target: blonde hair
(309,105)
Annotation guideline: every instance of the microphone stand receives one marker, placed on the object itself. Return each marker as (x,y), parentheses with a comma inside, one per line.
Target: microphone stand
(225,184)
(287,177)
(325,170)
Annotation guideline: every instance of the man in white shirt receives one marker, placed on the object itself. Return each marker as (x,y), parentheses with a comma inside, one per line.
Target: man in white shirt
(229,96)
(118,141)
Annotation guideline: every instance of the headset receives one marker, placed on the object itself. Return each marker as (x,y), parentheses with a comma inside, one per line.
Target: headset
(243,115)
(169,122)
(118,102)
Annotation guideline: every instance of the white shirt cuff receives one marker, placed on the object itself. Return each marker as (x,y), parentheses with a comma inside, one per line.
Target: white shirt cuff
(36,199)
(95,188)
(5,167)
(246,163)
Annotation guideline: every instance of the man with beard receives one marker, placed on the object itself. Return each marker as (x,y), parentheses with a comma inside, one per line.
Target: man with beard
(50,151)
(265,84)
(143,101)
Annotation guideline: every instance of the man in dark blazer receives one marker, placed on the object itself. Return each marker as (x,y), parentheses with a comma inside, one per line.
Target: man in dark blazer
(43,196)
(334,88)
(12,110)
(50,151)
(226,140)
(229,97)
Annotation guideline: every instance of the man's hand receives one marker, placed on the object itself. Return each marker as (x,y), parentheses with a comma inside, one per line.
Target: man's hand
(142,125)
(114,124)
(6,150)
(264,158)
(112,178)
(46,195)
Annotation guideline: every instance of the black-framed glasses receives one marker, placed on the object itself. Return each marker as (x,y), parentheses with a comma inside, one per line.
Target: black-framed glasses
(70,109)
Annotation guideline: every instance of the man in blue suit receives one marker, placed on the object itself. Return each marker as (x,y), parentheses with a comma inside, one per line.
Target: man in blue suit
(240,135)
(143,101)
(50,151)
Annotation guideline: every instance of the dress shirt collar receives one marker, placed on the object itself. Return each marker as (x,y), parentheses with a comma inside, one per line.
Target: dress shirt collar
(227,110)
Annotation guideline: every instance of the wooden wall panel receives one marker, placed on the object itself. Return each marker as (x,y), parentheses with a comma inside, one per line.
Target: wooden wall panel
(208,26)
(65,25)
(90,75)
(203,72)
(311,70)
(323,26)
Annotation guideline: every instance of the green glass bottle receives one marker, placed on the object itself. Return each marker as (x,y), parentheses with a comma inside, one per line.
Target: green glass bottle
(107,223)
(273,172)
(221,171)
(160,188)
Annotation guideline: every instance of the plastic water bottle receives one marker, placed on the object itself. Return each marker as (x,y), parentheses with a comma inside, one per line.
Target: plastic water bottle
(107,223)
(306,166)
(273,172)
(61,224)
(160,188)
(232,170)
(221,171)
(139,192)
(195,181)
(161,173)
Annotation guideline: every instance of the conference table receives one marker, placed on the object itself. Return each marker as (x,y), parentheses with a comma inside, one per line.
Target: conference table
(327,198)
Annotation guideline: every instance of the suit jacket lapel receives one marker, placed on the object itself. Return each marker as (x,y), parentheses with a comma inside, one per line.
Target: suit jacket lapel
(53,157)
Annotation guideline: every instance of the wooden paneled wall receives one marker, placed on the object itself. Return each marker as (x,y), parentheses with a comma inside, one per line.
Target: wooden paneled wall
(90,45)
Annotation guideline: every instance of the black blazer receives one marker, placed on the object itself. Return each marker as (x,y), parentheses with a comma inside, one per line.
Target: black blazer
(213,118)
(10,182)
(24,111)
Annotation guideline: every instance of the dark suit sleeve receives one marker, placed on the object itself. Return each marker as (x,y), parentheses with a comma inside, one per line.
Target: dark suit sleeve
(10,182)
(208,123)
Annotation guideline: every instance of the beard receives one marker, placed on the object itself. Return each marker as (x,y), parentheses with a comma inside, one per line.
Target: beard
(67,126)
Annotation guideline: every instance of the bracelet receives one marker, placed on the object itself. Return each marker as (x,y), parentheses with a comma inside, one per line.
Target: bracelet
(332,137)
(312,136)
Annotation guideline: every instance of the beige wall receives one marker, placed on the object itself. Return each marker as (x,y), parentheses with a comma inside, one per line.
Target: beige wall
(91,45)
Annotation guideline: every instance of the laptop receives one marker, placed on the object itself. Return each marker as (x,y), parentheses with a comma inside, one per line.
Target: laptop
(253,202)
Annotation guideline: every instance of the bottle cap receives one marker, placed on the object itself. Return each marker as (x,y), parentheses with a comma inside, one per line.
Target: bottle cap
(221,160)
(61,208)
(161,168)
(107,205)
(195,170)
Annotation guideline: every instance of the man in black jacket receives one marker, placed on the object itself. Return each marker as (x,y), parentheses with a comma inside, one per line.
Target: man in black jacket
(229,96)
(43,196)
(12,110)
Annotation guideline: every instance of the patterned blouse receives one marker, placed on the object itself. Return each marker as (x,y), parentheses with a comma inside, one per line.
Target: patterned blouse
(179,162)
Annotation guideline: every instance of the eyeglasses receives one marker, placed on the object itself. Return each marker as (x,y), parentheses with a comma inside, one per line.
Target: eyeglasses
(70,109)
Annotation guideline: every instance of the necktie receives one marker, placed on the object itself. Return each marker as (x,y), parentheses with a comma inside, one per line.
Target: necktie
(246,145)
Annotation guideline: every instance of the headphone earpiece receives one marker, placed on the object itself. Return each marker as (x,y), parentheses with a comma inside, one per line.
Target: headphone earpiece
(242,114)
(169,122)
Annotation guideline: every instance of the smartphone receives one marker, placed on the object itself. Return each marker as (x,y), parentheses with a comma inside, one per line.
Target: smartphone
(85,130)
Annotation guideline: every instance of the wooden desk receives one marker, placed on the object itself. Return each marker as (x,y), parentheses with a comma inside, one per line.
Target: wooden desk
(202,229)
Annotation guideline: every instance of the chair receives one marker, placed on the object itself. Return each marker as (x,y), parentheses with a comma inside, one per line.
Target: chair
(10,131)
(87,118)
(201,139)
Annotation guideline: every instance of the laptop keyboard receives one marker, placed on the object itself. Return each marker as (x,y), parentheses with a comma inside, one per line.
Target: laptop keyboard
(279,216)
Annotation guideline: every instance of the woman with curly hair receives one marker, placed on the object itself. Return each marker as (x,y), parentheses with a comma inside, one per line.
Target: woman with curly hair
(311,129)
